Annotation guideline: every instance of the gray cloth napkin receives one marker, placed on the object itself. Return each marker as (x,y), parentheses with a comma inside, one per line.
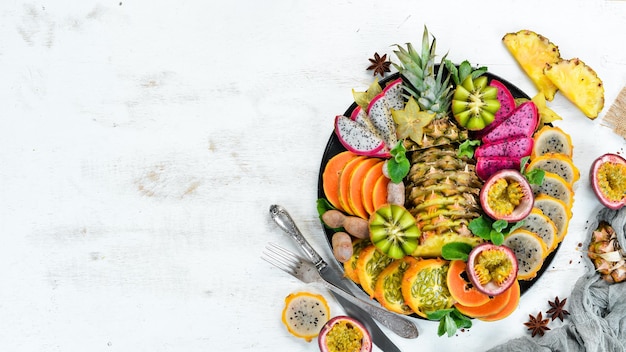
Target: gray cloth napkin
(597,320)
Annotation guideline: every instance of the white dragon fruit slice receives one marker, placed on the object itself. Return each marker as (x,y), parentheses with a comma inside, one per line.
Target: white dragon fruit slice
(393,94)
(380,115)
(359,139)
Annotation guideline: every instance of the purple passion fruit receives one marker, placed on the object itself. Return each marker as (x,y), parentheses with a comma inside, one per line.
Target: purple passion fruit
(492,269)
(608,179)
(344,334)
(507,195)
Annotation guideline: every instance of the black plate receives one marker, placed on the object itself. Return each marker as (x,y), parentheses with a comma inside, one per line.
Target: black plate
(334,147)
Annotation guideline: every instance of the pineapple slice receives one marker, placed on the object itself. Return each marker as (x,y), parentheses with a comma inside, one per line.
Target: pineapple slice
(533,52)
(579,83)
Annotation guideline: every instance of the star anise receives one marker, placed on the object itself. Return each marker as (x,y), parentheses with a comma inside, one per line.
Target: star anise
(380,65)
(557,310)
(537,324)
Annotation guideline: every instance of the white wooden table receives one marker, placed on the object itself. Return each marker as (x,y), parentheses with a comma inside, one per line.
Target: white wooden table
(142,143)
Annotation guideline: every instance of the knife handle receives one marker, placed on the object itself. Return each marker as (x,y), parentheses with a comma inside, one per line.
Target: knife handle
(286,223)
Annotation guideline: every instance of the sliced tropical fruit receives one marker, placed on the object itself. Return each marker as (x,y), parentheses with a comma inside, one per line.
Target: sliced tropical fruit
(367,188)
(379,193)
(331,174)
(388,290)
(579,83)
(424,286)
(393,231)
(557,163)
(349,267)
(608,180)
(530,251)
(344,183)
(305,314)
(533,52)
(555,186)
(510,306)
(494,306)
(461,287)
(543,226)
(355,184)
(552,139)
(370,264)
(557,211)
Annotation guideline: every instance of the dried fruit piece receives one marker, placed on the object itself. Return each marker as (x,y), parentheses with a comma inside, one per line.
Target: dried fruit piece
(492,269)
(393,231)
(344,334)
(608,179)
(424,286)
(605,252)
(533,52)
(305,314)
(579,83)
(529,250)
(475,103)
(507,195)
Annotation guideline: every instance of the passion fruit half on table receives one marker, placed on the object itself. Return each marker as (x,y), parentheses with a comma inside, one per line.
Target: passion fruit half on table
(507,195)
(344,334)
(608,179)
(492,269)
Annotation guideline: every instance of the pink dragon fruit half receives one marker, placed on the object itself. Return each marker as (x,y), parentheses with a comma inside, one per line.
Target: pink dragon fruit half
(393,94)
(514,147)
(379,114)
(507,105)
(521,123)
(359,139)
(487,166)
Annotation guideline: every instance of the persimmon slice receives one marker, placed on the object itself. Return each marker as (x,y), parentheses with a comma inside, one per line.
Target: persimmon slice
(461,288)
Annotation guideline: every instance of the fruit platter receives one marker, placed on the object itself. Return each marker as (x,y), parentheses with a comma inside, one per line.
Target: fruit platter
(444,190)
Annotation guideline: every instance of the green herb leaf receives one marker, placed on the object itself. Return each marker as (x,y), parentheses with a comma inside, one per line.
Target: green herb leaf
(523,163)
(479,72)
(535,177)
(398,166)
(438,314)
(450,325)
(461,320)
(481,227)
(467,148)
(323,206)
(454,72)
(499,225)
(516,226)
(497,238)
(456,251)
(465,69)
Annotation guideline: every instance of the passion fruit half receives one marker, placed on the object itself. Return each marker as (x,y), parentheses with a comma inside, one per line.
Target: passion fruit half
(492,269)
(507,195)
(608,179)
(344,334)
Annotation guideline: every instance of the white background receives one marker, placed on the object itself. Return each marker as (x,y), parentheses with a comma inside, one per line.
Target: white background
(142,143)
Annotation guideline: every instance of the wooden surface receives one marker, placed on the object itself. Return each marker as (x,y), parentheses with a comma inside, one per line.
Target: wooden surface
(142,143)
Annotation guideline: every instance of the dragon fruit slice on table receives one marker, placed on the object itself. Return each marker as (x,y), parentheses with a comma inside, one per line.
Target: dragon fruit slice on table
(514,147)
(522,122)
(359,139)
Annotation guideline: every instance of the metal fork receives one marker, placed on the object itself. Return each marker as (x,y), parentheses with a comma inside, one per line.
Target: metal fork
(306,272)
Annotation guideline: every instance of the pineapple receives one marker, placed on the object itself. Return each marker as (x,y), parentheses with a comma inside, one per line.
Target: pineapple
(442,195)
(533,52)
(432,91)
(579,83)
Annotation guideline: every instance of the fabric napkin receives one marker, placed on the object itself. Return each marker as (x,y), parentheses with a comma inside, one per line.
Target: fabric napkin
(597,320)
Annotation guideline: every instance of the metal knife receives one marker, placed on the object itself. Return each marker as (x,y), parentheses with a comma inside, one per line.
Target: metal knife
(286,223)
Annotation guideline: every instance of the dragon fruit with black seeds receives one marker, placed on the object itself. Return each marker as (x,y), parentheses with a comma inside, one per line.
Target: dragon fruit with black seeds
(514,147)
(393,94)
(487,166)
(522,122)
(359,139)
(507,105)
(379,114)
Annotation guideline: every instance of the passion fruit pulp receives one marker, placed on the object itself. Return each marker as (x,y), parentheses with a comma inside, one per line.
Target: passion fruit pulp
(492,269)
(608,179)
(507,195)
(344,334)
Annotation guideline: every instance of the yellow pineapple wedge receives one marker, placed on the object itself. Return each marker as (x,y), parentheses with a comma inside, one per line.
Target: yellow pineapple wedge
(579,83)
(533,52)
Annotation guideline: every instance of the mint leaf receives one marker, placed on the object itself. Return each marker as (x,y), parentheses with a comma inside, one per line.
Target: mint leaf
(461,320)
(497,238)
(450,325)
(516,226)
(535,177)
(499,225)
(467,148)
(438,314)
(481,227)
(454,72)
(398,166)
(523,162)
(323,206)
(456,251)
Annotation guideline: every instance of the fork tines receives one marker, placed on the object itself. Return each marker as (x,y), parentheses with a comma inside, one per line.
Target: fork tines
(281,258)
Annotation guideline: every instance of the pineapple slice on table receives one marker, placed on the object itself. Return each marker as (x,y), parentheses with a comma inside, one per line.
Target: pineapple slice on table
(533,52)
(579,83)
